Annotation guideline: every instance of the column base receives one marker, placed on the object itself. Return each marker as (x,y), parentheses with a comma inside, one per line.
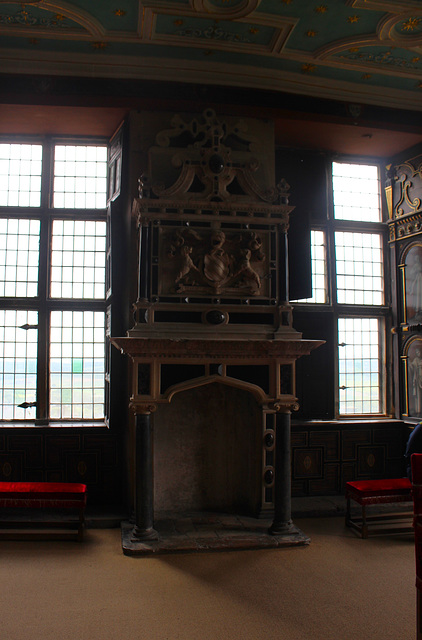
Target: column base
(283,528)
(138,534)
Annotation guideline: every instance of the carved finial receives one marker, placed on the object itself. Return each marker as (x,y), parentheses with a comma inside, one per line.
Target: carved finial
(144,186)
(390,174)
(283,191)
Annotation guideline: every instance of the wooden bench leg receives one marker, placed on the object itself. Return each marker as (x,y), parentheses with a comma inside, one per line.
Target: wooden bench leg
(348,512)
(364,530)
(81,524)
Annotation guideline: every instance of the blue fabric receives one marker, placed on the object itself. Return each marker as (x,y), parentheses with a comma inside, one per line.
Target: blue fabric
(414,445)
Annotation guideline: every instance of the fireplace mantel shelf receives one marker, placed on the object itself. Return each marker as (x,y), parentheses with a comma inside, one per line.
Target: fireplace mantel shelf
(206,349)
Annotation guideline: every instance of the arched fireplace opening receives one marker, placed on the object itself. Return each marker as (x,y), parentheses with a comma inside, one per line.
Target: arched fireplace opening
(207,451)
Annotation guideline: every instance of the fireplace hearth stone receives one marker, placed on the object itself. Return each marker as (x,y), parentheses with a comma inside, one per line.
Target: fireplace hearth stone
(206,532)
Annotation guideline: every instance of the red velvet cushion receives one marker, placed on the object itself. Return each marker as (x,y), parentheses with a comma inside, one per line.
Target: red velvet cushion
(369,488)
(43,490)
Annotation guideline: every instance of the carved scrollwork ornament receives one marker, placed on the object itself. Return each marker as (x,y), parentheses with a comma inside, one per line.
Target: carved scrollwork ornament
(276,406)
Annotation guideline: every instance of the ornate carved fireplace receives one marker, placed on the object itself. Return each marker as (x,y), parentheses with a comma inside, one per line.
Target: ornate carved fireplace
(212,293)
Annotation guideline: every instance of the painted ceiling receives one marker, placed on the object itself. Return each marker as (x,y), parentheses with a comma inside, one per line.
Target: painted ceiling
(362,51)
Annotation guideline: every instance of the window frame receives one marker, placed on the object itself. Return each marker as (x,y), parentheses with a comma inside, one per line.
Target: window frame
(382,312)
(43,303)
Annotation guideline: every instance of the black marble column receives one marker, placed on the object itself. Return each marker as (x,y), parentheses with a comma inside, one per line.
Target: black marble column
(144,477)
(282,523)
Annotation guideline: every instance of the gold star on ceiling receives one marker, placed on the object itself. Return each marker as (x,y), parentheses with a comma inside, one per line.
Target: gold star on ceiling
(414,60)
(367,76)
(178,23)
(353,19)
(311,33)
(411,24)
(253,30)
(354,49)
(308,68)
(99,45)
(321,8)
(119,12)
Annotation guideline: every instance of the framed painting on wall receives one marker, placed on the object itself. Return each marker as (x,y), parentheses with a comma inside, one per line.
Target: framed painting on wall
(413,284)
(413,377)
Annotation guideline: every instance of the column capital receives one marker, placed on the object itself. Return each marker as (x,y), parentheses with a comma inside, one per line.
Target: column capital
(283,405)
(142,408)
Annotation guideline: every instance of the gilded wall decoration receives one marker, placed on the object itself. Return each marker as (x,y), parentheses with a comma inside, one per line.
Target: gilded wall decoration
(32,19)
(382,57)
(403,192)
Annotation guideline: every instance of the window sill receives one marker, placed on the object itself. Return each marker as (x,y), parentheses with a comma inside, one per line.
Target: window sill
(346,422)
(14,424)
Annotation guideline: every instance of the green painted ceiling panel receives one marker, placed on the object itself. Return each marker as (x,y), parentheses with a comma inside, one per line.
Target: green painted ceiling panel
(363,46)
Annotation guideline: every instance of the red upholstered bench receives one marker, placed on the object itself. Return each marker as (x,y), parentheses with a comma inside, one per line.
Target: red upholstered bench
(47,496)
(372,492)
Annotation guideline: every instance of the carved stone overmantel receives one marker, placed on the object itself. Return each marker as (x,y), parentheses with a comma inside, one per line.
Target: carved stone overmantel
(212,305)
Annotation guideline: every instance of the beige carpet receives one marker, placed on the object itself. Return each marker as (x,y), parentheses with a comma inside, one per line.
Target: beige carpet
(338,588)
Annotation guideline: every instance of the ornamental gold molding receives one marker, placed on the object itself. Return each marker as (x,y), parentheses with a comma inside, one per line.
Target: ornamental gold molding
(406,227)
(404,199)
(409,35)
(242,12)
(390,6)
(225,9)
(64,10)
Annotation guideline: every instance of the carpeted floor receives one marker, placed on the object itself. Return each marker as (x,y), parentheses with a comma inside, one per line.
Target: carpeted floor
(338,588)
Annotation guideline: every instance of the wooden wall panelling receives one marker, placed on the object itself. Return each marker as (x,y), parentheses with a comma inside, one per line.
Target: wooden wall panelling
(370,461)
(108,487)
(63,455)
(299,440)
(11,466)
(56,448)
(323,460)
(351,439)
(329,484)
(30,446)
